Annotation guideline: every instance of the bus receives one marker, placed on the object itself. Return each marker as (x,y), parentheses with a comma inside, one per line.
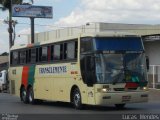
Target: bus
(101,68)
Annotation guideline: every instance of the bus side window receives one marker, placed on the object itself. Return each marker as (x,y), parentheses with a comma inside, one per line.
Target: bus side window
(76,49)
(61,51)
(52,52)
(44,54)
(11,58)
(40,54)
(49,53)
(57,52)
(33,55)
(71,50)
(28,56)
(37,54)
(22,57)
(65,51)
(15,59)
(86,45)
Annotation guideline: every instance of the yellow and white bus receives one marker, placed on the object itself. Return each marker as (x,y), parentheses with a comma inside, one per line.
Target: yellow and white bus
(93,69)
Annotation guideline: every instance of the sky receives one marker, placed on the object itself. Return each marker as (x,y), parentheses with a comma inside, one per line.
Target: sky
(79,12)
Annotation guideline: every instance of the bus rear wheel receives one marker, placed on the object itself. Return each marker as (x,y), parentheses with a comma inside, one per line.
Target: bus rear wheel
(23,95)
(76,99)
(31,96)
(120,106)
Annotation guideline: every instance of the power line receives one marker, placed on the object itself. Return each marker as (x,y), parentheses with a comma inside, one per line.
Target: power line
(80,27)
(38,24)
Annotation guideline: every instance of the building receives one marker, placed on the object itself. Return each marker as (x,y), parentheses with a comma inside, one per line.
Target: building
(150,35)
(4,62)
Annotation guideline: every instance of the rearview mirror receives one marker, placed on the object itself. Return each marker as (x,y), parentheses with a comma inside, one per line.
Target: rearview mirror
(90,70)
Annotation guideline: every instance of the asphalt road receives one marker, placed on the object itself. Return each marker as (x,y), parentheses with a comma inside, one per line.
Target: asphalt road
(12,105)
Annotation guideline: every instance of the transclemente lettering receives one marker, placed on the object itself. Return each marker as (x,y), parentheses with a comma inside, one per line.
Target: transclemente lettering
(53,70)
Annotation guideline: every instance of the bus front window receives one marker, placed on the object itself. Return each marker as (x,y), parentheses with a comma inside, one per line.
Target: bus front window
(111,67)
(120,68)
(135,67)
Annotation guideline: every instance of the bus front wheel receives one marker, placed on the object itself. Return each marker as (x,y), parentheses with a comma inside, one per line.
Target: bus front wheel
(76,99)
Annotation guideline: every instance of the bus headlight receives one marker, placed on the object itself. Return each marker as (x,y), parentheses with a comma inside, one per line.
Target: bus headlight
(103,89)
(144,88)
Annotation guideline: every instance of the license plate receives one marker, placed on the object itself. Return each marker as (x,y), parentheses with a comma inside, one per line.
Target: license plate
(126,98)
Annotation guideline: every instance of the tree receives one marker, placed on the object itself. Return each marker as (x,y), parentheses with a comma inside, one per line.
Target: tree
(6,5)
(4,54)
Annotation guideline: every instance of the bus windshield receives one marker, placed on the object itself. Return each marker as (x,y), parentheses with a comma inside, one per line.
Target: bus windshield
(120,68)
(117,60)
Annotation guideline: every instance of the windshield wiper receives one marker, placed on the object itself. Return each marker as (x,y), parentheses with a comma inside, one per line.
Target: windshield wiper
(118,77)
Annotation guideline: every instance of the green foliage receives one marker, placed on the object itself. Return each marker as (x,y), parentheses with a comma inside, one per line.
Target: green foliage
(7,3)
(4,54)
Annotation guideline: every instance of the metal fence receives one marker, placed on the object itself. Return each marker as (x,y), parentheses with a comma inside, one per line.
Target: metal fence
(154,77)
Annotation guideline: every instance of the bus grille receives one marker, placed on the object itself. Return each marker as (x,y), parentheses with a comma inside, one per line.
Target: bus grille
(119,89)
(123,89)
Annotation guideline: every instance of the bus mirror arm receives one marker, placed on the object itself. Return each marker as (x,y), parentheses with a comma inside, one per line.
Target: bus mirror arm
(91,79)
(89,84)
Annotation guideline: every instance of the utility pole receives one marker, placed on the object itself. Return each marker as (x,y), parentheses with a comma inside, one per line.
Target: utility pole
(30,2)
(32,29)
(10,29)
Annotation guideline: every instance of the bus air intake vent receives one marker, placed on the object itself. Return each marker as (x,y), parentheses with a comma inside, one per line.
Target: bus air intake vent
(123,89)
(119,89)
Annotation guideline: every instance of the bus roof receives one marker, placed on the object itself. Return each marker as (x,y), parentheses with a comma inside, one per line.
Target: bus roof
(95,34)
(109,34)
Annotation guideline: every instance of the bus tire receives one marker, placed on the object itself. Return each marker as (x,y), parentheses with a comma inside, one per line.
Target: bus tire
(120,106)
(76,99)
(23,95)
(31,96)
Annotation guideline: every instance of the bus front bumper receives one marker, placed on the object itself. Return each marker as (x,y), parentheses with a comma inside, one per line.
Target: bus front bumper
(121,97)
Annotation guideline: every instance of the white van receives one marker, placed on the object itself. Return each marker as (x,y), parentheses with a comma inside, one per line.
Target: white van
(3,80)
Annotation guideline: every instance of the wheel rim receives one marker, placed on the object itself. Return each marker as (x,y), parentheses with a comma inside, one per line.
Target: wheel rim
(30,97)
(24,95)
(77,99)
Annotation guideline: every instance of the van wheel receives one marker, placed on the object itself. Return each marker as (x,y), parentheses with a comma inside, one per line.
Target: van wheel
(23,95)
(120,106)
(76,99)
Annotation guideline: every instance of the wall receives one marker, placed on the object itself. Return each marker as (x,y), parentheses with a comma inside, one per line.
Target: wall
(153,51)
